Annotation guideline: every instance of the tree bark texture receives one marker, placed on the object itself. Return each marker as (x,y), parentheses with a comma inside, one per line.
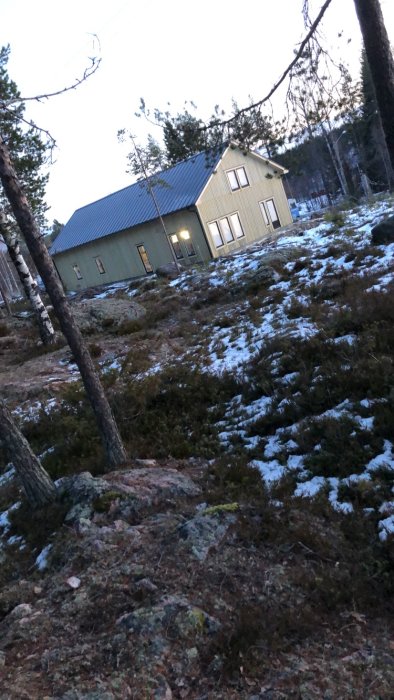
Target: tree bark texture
(4,296)
(37,484)
(381,64)
(116,454)
(29,284)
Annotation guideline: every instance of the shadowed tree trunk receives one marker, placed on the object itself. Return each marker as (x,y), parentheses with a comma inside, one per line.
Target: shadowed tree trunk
(381,63)
(4,296)
(29,284)
(37,484)
(108,430)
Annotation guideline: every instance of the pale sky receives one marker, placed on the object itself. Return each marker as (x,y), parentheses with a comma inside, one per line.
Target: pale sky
(171,51)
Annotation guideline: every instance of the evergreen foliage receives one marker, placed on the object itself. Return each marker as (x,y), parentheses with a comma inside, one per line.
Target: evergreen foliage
(27,149)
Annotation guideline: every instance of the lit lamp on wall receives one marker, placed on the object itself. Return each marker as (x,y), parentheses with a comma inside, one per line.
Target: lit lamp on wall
(185,234)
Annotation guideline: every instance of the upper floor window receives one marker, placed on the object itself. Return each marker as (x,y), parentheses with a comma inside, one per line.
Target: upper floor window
(100,266)
(237,178)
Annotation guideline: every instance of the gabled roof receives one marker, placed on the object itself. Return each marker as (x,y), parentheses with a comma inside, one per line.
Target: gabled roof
(176,188)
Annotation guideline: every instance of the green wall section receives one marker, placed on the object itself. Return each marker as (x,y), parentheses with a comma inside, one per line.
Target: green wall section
(119,255)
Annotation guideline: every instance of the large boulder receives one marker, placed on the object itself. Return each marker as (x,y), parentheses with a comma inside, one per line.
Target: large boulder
(169,271)
(383,233)
(97,314)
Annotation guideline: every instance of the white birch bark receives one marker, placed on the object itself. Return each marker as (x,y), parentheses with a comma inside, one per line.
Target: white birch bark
(29,284)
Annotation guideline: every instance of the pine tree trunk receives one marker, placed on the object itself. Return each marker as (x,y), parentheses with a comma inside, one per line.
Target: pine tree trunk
(29,284)
(37,484)
(381,63)
(108,430)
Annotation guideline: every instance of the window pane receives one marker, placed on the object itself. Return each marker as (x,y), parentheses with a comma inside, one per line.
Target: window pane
(100,266)
(264,213)
(242,177)
(233,180)
(273,213)
(215,233)
(189,247)
(77,272)
(144,257)
(185,235)
(236,225)
(176,246)
(226,230)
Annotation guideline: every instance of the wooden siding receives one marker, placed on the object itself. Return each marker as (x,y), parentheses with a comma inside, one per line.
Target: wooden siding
(218,200)
(119,255)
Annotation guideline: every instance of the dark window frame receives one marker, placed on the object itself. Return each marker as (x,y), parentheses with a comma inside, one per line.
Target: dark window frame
(146,263)
(216,222)
(77,272)
(100,265)
(176,246)
(234,171)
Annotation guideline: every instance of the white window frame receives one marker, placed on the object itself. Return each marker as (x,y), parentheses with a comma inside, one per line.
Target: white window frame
(100,265)
(220,230)
(237,174)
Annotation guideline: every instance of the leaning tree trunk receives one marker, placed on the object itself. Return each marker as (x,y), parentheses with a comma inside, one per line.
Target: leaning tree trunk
(381,63)
(37,484)
(108,430)
(4,296)
(29,284)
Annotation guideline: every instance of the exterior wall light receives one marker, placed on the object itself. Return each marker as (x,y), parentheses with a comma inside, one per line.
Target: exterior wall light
(185,235)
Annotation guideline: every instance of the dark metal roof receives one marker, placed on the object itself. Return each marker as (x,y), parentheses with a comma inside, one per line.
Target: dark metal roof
(175,189)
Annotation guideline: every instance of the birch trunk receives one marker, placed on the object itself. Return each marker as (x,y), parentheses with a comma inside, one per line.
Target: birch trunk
(29,284)
(37,484)
(116,454)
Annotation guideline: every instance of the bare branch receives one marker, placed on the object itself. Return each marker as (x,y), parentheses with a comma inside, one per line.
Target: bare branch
(33,125)
(89,71)
(288,70)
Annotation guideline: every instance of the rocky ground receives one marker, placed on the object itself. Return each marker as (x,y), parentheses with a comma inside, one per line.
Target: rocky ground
(148,591)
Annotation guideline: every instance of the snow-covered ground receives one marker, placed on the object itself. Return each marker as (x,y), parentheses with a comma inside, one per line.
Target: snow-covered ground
(309,257)
(325,251)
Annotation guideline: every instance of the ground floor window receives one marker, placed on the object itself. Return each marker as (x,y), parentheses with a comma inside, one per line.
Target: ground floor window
(215,233)
(77,272)
(144,258)
(185,236)
(226,229)
(100,265)
(176,246)
(270,214)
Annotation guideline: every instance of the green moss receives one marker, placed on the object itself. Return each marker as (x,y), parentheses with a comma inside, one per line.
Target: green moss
(221,508)
(103,503)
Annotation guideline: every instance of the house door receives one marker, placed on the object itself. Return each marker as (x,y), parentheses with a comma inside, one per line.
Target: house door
(144,258)
(270,215)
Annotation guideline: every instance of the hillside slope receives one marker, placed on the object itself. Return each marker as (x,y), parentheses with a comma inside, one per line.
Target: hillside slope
(247,549)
